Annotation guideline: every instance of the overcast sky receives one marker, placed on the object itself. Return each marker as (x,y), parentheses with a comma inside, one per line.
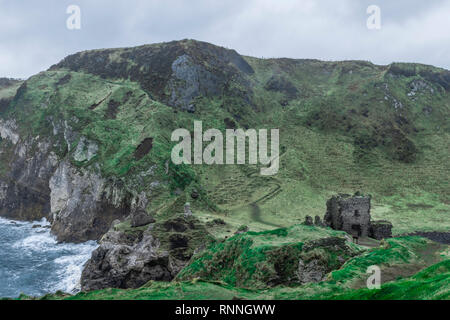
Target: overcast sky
(33,34)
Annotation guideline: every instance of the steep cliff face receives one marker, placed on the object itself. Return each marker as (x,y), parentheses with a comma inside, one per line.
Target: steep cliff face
(25,192)
(83,204)
(36,183)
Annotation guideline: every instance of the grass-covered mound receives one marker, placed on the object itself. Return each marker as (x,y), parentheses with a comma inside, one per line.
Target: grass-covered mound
(396,258)
(270,258)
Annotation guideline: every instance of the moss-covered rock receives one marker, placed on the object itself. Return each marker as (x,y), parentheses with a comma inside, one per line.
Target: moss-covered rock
(290,256)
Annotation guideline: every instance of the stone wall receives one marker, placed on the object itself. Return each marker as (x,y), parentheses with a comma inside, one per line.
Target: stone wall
(380,229)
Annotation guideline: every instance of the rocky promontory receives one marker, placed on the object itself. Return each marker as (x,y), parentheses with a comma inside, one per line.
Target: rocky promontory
(129,257)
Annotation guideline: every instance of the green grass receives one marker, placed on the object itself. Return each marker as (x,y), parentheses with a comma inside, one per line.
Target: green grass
(9,91)
(256,259)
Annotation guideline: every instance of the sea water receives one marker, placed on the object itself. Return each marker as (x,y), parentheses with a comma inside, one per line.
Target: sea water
(34,263)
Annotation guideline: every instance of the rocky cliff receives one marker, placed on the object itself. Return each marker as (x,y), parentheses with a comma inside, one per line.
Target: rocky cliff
(38,184)
(129,257)
(59,164)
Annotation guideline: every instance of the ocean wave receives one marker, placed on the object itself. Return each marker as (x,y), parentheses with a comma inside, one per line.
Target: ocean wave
(38,262)
(37,242)
(71,266)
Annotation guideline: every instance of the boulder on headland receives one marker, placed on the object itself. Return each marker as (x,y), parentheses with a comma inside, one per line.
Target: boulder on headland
(141,218)
(308,221)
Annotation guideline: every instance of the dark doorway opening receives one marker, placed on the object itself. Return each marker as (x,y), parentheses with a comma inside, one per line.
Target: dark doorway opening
(356,228)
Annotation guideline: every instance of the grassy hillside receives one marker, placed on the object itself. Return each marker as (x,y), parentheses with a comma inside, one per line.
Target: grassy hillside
(344,127)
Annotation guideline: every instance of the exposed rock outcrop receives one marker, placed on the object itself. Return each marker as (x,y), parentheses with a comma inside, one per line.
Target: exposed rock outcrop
(174,72)
(314,263)
(308,221)
(437,236)
(83,204)
(38,184)
(125,262)
(24,189)
(245,261)
(8,130)
(318,222)
(312,271)
(130,257)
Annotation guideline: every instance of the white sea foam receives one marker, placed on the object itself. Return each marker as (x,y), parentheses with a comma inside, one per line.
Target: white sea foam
(4,221)
(71,267)
(37,242)
(53,266)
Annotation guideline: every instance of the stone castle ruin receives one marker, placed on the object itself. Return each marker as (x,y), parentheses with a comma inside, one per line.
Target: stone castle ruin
(352,215)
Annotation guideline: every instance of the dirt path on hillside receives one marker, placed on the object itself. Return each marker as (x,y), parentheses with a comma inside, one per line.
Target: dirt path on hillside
(255,210)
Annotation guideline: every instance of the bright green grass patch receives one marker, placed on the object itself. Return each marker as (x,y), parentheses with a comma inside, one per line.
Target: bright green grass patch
(261,259)
(399,251)
(9,91)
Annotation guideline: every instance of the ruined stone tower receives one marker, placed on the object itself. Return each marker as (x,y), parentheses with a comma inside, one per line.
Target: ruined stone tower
(350,214)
